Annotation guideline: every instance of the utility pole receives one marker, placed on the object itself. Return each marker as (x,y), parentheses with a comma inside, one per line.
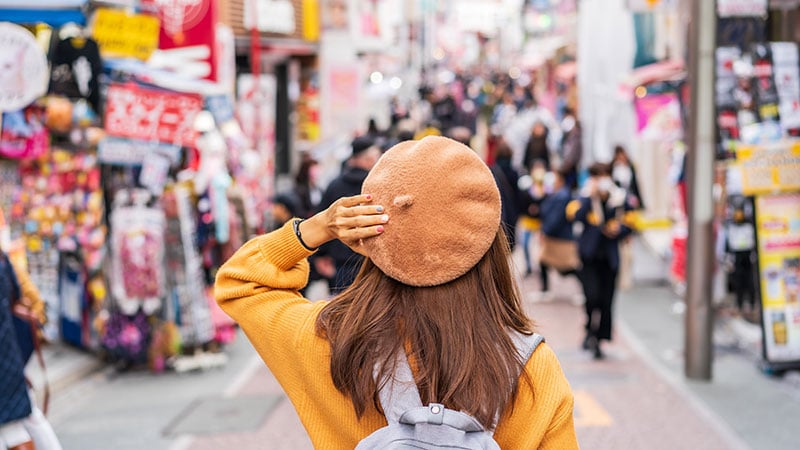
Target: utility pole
(700,171)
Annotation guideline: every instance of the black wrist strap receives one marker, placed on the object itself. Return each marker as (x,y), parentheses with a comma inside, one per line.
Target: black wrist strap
(296,226)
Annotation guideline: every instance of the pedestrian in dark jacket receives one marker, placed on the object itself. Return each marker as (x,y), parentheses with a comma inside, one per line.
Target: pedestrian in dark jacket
(571,147)
(15,405)
(537,149)
(602,211)
(511,197)
(555,224)
(624,175)
(334,260)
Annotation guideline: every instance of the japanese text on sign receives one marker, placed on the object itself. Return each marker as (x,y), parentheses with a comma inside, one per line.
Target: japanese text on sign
(138,113)
(124,35)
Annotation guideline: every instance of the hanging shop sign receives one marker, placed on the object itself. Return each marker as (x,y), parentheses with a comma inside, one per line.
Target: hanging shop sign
(283,19)
(741,8)
(128,152)
(51,12)
(275,16)
(23,68)
(778,228)
(120,34)
(147,114)
(769,168)
(187,25)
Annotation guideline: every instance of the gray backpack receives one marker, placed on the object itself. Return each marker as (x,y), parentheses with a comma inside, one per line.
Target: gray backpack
(413,426)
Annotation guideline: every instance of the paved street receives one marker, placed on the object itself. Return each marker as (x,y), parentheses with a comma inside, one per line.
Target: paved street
(636,398)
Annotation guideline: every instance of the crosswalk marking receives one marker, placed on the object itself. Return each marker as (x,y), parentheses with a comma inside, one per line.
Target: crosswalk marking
(588,412)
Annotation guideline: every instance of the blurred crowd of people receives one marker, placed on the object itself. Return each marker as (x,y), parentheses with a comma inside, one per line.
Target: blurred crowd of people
(572,220)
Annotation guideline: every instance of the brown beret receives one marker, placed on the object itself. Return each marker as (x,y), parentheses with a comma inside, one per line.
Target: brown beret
(443,206)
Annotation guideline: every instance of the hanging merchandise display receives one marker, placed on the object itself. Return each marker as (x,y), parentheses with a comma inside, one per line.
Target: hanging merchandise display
(126,177)
(184,268)
(24,135)
(58,208)
(76,68)
(137,248)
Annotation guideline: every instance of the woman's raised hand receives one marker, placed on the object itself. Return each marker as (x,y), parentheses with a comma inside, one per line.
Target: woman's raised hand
(349,219)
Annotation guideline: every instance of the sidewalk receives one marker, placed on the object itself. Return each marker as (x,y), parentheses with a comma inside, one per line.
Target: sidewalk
(636,398)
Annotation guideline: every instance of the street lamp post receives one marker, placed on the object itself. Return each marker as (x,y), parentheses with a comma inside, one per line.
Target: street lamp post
(700,170)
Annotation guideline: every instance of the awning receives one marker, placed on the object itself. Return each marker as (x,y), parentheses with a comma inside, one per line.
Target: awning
(52,12)
(670,70)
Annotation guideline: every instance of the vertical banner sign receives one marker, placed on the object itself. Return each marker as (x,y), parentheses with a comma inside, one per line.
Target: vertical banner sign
(188,25)
(147,114)
(778,227)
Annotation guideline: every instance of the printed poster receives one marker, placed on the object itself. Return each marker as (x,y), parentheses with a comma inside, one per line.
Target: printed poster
(778,228)
(659,117)
(769,168)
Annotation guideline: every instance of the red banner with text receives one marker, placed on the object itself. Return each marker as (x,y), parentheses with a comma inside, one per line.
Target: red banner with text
(152,115)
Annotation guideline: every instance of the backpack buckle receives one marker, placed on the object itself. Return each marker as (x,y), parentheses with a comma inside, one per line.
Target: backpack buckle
(436,413)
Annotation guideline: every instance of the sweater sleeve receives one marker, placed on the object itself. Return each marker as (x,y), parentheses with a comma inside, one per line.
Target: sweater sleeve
(29,294)
(541,416)
(258,287)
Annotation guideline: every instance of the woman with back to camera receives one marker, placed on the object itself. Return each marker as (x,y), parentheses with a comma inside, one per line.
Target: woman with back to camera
(436,289)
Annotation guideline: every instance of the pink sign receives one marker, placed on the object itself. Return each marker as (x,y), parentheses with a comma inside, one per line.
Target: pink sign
(658,116)
(148,114)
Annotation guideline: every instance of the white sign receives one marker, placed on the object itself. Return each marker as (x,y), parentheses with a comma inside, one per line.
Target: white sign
(275,16)
(23,68)
(129,152)
(741,8)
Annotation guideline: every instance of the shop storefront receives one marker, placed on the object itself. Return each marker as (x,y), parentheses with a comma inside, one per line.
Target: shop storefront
(758,118)
(127,175)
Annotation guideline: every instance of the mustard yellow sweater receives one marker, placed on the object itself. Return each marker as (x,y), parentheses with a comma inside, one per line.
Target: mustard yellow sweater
(258,287)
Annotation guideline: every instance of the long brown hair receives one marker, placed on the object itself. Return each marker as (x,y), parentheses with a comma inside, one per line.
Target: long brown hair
(455,335)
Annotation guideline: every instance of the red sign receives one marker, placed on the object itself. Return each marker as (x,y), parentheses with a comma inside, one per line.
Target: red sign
(187,23)
(151,115)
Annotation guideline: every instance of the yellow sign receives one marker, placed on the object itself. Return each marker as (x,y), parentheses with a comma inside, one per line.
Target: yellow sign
(311,20)
(122,35)
(769,168)
(778,227)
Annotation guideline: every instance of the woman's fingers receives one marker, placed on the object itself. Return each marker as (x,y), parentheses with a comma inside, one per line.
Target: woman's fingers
(361,221)
(355,200)
(353,235)
(362,210)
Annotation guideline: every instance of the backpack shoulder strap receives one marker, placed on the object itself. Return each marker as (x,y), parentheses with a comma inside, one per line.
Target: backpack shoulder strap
(526,344)
(399,393)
